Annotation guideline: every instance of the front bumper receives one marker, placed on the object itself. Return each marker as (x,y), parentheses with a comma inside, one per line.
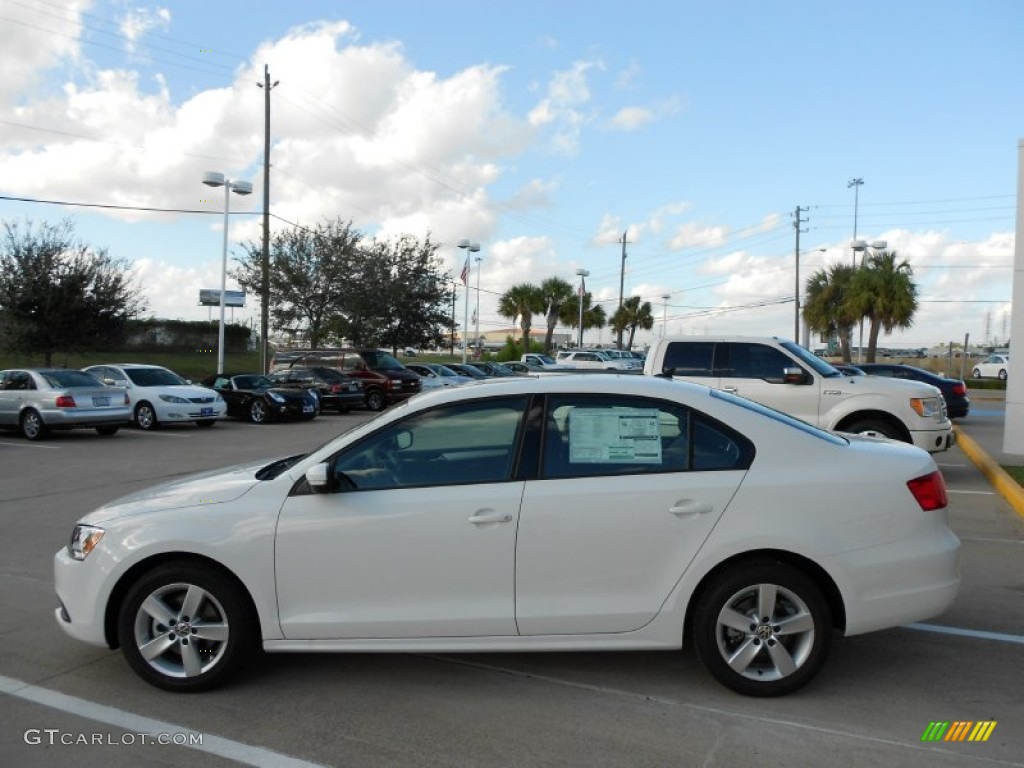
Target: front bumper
(934,440)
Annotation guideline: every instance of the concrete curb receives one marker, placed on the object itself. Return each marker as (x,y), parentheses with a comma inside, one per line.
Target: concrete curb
(1007,487)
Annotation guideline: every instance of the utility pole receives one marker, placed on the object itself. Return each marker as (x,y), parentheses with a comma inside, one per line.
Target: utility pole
(797,221)
(265,257)
(622,283)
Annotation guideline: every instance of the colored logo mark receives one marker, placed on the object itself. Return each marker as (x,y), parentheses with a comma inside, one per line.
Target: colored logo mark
(958,730)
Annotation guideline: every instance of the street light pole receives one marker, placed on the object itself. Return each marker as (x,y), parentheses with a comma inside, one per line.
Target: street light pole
(583,274)
(477,313)
(664,313)
(856,184)
(214,179)
(470,248)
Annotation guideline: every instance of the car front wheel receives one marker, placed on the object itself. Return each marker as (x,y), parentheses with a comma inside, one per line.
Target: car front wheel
(977,373)
(762,628)
(145,416)
(375,400)
(258,412)
(1002,374)
(32,425)
(873,428)
(186,627)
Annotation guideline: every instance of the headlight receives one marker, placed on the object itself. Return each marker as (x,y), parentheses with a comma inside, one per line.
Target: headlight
(275,397)
(173,399)
(926,407)
(83,540)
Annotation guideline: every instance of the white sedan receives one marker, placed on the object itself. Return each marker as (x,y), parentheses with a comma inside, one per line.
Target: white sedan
(159,395)
(992,367)
(528,514)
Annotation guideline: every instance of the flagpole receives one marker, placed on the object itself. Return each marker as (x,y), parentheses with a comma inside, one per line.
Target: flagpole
(471,248)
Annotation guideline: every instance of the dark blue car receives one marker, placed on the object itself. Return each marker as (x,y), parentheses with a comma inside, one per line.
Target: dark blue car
(953,390)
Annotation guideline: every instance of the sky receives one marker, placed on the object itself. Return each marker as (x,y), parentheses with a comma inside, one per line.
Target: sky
(544,131)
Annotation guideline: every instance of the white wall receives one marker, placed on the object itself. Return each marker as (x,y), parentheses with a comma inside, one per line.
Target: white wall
(1013,432)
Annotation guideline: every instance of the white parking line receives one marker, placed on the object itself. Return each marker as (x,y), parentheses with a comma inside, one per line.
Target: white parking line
(976,634)
(30,445)
(972,493)
(118,718)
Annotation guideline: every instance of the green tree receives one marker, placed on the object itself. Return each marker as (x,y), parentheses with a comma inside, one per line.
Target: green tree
(828,309)
(630,316)
(884,293)
(57,293)
(407,305)
(593,315)
(522,301)
(556,292)
(314,273)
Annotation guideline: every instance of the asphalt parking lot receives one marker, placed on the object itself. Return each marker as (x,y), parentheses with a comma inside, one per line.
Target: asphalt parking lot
(62,701)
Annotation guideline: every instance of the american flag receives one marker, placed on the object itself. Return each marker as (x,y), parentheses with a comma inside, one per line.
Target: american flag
(583,287)
(465,273)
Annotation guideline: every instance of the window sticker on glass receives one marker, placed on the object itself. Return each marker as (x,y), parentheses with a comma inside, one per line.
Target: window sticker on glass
(622,435)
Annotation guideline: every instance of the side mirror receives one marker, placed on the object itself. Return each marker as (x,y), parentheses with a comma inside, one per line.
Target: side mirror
(793,375)
(318,478)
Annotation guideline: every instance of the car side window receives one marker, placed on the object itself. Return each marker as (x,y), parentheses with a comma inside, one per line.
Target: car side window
(689,358)
(755,361)
(19,380)
(459,444)
(587,436)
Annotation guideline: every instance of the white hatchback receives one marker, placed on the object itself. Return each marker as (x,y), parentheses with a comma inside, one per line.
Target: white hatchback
(159,395)
(554,513)
(992,367)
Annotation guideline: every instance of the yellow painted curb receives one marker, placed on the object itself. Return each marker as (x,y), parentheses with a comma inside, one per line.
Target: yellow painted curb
(1007,487)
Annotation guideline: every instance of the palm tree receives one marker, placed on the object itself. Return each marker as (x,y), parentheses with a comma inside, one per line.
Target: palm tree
(630,316)
(522,301)
(593,316)
(556,292)
(884,293)
(828,309)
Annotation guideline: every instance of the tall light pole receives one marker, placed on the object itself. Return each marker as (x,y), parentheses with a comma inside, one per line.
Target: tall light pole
(470,248)
(477,312)
(664,312)
(583,275)
(214,179)
(856,184)
(862,247)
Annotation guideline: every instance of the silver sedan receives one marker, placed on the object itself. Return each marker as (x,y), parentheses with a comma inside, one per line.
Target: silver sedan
(37,400)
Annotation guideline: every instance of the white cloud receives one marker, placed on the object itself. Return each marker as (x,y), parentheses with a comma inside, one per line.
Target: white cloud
(630,119)
(139,21)
(561,108)
(38,39)
(692,235)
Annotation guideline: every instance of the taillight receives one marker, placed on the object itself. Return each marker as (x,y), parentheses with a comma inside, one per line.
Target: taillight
(929,491)
(959,389)
(65,401)
(335,388)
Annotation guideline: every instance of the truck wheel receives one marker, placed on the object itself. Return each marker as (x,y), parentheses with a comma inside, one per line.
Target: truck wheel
(873,428)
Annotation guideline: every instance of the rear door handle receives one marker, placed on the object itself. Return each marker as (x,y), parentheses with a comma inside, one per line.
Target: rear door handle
(730,390)
(490,516)
(690,508)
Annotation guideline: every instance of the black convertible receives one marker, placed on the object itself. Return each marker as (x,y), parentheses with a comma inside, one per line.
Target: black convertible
(254,397)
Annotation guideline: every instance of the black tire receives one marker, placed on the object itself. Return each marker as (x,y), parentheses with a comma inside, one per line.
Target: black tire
(198,654)
(258,412)
(375,400)
(873,428)
(977,373)
(108,429)
(1002,374)
(206,423)
(32,425)
(771,655)
(145,416)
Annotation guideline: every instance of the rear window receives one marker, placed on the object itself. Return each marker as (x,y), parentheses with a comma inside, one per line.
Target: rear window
(381,361)
(688,358)
(61,378)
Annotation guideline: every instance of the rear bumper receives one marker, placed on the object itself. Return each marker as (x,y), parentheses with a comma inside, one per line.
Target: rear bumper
(71,418)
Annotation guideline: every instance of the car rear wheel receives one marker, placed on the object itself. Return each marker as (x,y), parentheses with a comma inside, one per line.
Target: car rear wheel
(762,628)
(1002,374)
(145,416)
(258,412)
(108,429)
(977,373)
(375,400)
(186,627)
(32,425)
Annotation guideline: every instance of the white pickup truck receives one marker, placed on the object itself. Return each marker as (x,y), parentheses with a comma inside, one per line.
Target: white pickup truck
(788,378)
(543,362)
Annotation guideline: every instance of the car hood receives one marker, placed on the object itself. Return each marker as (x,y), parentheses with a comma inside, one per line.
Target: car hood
(881,384)
(187,391)
(206,488)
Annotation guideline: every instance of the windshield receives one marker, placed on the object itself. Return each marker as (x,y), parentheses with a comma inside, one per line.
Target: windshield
(810,359)
(381,361)
(545,359)
(153,377)
(253,382)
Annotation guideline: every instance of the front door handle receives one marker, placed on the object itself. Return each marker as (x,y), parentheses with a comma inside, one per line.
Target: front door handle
(730,390)
(690,508)
(490,516)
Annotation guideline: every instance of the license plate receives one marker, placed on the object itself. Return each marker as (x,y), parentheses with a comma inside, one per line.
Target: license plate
(307,409)
(99,401)
(353,387)
(206,411)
